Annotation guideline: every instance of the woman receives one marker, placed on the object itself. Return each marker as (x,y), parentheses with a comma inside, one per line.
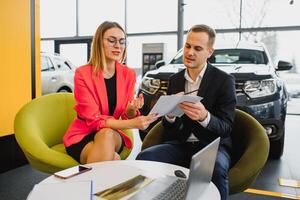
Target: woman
(105,103)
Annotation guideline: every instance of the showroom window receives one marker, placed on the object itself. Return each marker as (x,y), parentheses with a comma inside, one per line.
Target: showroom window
(216,13)
(267,13)
(93,12)
(57,18)
(77,53)
(151,16)
(145,17)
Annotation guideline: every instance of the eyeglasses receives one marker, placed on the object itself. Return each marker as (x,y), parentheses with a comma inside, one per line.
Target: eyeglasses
(112,41)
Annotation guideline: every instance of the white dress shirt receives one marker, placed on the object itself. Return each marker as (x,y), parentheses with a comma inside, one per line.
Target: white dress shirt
(191,85)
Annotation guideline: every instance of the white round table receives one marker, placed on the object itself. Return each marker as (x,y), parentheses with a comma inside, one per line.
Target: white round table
(110,173)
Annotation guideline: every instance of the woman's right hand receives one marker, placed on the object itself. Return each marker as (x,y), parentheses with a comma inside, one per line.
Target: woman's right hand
(142,122)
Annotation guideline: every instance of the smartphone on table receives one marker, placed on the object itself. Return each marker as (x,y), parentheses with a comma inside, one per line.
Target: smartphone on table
(73,171)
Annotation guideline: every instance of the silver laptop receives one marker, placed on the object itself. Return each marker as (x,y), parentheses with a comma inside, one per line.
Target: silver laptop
(172,188)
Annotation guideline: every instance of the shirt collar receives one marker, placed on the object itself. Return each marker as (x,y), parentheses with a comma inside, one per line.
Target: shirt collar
(200,75)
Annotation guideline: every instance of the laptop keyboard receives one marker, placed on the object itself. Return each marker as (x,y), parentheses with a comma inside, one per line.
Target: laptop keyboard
(175,191)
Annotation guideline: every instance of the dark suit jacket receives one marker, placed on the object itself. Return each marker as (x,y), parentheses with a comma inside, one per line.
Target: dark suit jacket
(218,91)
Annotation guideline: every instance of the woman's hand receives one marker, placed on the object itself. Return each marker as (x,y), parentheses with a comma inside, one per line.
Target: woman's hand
(142,122)
(134,105)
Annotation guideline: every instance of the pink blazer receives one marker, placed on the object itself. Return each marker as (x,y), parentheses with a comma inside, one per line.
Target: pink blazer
(92,103)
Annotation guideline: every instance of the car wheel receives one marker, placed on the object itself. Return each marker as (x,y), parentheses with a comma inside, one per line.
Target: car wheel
(276,147)
(64,89)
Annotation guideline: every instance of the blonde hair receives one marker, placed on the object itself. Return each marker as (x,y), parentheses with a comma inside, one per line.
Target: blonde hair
(97,59)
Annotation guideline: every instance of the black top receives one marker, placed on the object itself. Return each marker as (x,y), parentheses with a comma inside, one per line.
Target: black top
(111,93)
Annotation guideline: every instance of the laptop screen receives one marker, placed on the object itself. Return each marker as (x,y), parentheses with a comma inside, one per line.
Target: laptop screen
(201,169)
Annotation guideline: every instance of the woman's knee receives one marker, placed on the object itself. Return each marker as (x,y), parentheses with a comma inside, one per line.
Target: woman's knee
(110,136)
(105,133)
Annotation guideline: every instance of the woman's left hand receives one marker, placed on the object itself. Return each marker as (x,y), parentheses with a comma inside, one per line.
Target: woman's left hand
(134,105)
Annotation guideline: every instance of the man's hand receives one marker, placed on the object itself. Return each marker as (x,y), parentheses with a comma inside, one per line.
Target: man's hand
(134,105)
(195,111)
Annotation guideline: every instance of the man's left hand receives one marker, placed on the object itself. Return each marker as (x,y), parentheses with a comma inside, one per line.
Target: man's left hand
(195,111)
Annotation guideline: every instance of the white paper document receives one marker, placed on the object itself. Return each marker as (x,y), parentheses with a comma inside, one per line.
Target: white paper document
(62,191)
(169,104)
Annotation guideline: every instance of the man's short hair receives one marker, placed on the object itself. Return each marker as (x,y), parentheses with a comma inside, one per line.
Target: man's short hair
(207,29)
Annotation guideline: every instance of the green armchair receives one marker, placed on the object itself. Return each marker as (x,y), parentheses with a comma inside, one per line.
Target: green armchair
(39,128)
(250,150)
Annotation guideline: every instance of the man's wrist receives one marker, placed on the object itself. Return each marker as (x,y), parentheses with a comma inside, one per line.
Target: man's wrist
(205,121)
(203,118)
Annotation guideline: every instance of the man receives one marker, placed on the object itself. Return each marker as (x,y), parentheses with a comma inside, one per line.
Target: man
(203,121)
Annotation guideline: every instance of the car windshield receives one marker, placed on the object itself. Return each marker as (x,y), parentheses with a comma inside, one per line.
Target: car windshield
(231,56)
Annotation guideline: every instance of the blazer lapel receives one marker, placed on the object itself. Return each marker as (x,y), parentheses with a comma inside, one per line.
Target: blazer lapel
(206,79)
(102,95)
(180,86)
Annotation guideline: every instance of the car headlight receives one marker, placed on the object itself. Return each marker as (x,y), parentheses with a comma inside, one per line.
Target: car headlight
(150,85)
(255,89)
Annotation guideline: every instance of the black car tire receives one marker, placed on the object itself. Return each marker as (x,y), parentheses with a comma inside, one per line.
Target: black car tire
(276,147)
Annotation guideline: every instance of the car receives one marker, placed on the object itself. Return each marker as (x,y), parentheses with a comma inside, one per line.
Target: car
(259,89)
(57,73)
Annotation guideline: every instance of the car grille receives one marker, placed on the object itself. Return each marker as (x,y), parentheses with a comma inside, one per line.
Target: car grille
(239,85)
(164,85)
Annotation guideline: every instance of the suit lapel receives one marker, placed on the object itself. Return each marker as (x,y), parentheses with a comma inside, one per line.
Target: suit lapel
(206,79)
(180,83)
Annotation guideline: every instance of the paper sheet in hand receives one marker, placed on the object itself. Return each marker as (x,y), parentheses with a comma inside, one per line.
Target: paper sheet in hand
(169,104)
